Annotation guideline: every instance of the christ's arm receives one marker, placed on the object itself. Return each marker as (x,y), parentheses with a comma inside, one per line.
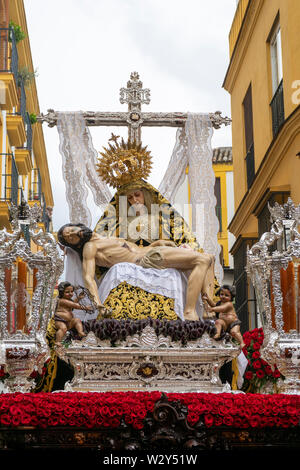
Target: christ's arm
(88,271)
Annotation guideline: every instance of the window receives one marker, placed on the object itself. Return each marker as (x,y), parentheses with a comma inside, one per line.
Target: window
(218,204)
(277,103)
(248,123)
(276,58)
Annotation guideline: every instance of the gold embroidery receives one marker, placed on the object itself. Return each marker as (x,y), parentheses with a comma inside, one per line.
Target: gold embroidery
(134,303)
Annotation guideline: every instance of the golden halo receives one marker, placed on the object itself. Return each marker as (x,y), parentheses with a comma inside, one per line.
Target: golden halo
(123,163)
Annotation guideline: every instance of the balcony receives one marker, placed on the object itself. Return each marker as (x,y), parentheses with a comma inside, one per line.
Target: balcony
(8,69)
(16,120)
(8,186)
(23,154)
(277,108)
(35,192)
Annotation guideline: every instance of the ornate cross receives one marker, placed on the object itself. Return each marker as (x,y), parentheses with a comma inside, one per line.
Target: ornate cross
(134,95)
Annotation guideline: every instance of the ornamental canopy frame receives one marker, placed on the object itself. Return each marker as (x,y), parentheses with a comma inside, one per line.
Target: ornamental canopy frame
(134,95)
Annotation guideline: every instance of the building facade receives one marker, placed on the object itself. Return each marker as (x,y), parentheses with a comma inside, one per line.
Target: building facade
(263,79)
(23,160)
(223,170)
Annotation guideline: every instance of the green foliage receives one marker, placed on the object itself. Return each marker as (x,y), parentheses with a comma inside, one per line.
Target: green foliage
(32,118)
(19,34)
(26,76)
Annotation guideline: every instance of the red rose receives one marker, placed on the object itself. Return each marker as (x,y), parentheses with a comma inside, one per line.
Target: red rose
(257,364)
(34,421)
(268,370)
(209,420)
(137,424)
(228,420)
(218,421)
(255,421)
(256,355)
(260,373)
(276,374)
(5,419)
(256,345)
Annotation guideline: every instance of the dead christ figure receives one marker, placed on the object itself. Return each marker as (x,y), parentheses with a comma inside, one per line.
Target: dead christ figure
(98,251)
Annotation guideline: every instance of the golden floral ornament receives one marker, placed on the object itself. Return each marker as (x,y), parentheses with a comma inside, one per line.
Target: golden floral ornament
(124,162)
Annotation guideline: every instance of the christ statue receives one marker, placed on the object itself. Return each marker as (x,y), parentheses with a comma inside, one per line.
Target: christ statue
(106,252)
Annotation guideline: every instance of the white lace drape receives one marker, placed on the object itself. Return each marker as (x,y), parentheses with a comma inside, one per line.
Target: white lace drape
(79,167)
(193,149)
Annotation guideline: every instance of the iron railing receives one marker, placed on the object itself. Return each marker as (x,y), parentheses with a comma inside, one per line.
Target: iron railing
(28,129)
(9,178)
(277,107)
(28,132)
(24,227)
(245,302)
(250,166)
(35,192)
(9,61)
(22,100)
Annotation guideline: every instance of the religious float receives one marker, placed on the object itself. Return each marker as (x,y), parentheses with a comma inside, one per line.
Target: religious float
(152,376)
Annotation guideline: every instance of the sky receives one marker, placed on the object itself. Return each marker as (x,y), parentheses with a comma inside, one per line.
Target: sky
(85,50)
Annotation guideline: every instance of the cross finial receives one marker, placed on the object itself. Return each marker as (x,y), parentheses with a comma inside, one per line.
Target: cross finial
(114,138)
(134,95)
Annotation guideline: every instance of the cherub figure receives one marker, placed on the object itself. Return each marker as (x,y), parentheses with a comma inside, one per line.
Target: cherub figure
(227,318)
(63,316)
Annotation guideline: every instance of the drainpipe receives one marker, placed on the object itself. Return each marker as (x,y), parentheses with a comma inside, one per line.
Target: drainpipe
(3,160)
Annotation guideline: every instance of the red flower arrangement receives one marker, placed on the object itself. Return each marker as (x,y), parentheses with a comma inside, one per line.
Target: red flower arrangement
(110,409)
(3,375)
(258,372)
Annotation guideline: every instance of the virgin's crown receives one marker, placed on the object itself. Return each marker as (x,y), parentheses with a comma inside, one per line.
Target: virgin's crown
(124,162)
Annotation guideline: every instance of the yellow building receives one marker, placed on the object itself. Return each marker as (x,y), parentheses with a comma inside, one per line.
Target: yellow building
(23,161)
(24,168)
(263,79)
(223,169)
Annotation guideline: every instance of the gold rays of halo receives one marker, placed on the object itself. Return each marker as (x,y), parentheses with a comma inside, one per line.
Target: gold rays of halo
(123,162)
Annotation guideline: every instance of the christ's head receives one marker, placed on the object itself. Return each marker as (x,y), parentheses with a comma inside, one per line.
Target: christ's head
(74,236)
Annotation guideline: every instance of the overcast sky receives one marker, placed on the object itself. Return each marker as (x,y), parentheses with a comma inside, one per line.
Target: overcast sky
(85,50)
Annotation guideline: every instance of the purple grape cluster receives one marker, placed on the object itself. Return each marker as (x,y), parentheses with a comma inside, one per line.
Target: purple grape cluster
(178,330)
